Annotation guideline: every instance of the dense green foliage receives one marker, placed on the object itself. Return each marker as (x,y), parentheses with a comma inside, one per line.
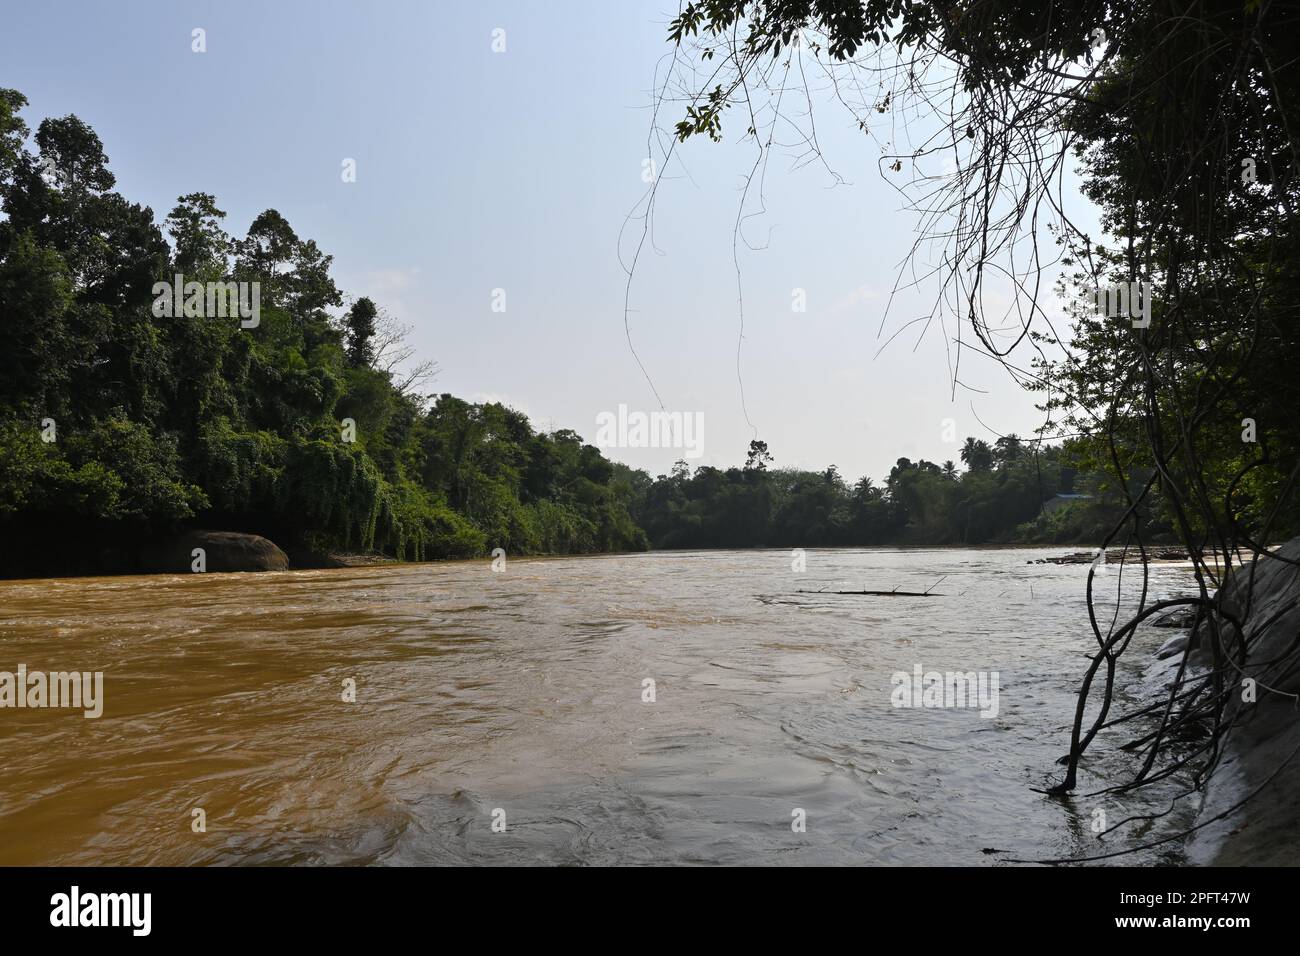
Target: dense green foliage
(999,498)
(117,424)
(1203,200)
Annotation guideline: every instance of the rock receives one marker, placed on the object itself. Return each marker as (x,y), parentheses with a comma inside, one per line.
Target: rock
(1078,557)
(301,557)
(1175,645)
(1118,556)
(1266,735)
(341,559)
(1176,618)
(223,551)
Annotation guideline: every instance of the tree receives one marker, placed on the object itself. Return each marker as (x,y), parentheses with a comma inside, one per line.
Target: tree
(13,131)
(201,246)
(360,324)
(977,455)
(393,356)
(73,156)
(758,457)
(1007,450)
(269,246)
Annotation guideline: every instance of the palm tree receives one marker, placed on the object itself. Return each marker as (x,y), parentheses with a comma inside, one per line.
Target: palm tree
(977,455)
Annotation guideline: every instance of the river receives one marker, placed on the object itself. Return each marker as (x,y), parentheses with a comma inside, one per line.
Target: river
(520,698)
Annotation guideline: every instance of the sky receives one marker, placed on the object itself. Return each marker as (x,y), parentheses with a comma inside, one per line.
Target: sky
(478,170)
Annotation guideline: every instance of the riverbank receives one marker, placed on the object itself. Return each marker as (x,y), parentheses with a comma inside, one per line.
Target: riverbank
(193,551)
(1261,752)
(237,551)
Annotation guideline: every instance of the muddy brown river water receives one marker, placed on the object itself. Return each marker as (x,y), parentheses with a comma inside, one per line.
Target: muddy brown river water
(521,698)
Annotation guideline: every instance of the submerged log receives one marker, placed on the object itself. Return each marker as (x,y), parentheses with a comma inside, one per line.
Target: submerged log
(894,593)
(879,593)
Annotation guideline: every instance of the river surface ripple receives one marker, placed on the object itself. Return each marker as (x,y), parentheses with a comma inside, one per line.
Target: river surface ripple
(522,691)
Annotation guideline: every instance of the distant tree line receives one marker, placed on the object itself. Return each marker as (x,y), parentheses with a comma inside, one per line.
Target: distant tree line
(1007,493)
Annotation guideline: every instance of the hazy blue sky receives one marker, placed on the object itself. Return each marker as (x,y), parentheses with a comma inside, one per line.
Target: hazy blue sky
(479,170)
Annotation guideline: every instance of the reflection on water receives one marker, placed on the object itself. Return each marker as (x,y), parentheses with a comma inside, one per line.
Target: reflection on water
(523,691)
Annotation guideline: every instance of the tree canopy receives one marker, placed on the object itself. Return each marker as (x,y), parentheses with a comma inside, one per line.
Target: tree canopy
(117,424)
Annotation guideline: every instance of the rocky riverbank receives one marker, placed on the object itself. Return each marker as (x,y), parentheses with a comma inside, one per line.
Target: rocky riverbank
(182,552)
(1117,556)
(63,554)
(1261,752)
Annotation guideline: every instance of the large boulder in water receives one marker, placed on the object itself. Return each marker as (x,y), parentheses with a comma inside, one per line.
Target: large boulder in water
(223,551)
(1175,645)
